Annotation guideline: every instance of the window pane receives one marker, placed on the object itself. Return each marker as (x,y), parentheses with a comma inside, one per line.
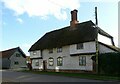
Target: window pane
(16,62)
(82,60)
(50,50)
(34,52)
(17,55)
(80,46)
(51,61)
(37,63)
(59,61)
(59,49)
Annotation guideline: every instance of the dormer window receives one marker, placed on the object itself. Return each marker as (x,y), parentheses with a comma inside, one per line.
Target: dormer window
(79,46)
(50,50)
(34,52)
(59,49)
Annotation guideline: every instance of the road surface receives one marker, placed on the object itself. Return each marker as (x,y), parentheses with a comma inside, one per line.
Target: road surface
(13,76)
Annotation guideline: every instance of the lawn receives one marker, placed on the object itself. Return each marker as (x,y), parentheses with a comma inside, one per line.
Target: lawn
(80,75)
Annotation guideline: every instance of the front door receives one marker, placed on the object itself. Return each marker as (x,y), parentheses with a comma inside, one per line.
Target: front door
(44,65)
(94,66)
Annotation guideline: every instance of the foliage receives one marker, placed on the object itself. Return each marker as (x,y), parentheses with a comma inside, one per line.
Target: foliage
(109,63)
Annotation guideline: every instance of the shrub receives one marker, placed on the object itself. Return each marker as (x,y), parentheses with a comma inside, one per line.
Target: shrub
(109,63)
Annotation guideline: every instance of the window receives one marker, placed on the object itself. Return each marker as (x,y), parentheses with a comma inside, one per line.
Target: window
(41,53)
(59,61)
(59,49)
(17,55)
(79,46)
(34,52)
(37,63)
(16,62)
(50,50)
(51,60)
(82,60)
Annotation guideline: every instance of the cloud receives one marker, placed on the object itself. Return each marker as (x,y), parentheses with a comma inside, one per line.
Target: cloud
(42,8)
(20,20)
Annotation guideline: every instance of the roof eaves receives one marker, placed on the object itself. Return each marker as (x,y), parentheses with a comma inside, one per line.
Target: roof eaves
(23,54)
(102,32)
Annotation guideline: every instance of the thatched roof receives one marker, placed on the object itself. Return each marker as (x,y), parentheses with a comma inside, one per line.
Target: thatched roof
(84,32)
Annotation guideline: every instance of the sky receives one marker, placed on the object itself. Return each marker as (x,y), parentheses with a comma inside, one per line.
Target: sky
(26,21)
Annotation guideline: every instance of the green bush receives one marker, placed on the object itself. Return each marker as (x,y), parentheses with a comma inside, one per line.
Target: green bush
(109,63)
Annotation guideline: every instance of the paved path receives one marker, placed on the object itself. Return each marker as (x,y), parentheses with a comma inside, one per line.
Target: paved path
(12,76)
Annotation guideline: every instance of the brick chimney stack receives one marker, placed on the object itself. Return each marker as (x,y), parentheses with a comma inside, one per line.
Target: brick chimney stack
(73,21)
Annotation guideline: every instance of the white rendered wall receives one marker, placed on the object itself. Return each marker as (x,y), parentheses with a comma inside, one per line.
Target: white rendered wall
(40,64)
(88,47)
(38,54)
(69,62)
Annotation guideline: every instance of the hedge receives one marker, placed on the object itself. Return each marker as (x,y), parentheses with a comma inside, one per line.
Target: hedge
(109,63)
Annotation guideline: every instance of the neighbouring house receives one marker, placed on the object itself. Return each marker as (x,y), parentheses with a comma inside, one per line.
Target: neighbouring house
(13,58)
(70,48)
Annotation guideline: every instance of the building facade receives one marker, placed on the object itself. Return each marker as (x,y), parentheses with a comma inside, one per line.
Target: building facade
(70,48)
(13,59)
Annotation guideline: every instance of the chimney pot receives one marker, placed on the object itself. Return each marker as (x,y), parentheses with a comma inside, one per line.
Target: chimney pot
(73,21)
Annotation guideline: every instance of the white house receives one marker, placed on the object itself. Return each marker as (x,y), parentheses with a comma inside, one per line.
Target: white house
(70,48)
(13,58)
